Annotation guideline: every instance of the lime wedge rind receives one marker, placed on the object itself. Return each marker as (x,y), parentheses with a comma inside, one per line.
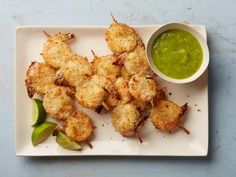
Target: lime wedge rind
(66,142)
(42,132)
(38,112)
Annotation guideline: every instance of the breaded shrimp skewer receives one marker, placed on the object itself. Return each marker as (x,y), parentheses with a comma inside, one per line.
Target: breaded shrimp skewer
(78,126)
(38,77)
(106,66)
(122,88)
(142,88)
(58,102)
(93,92)
(167,116)
(126,119)
(56,51)
(122,38)
(75,71)
(135,62)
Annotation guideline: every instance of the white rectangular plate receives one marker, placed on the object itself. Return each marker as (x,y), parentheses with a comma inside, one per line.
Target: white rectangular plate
(29,43)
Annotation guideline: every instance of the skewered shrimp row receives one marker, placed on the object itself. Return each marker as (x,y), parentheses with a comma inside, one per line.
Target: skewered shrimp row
(146,93)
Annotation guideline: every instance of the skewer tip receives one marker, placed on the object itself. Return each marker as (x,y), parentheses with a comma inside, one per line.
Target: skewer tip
(138,136)
(113,18)
(46,34)
(89,144)
(184,129)
(105,106)
(94,54)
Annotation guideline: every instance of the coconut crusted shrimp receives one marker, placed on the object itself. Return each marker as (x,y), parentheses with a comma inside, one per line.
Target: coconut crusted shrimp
(142,88)
(135,62)
(75,71)
(167,116)
(121,37)
(106,66)
(122,87)
(126,120)
(38,76)
(55,51)
(58,102)
(78,126)
(93,92)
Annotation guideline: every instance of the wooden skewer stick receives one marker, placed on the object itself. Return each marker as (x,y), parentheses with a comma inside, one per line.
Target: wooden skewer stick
(138,136)
(184,129)
(94,54)
(113,18)
(105,106)
(152,103)
(89,144)
(46,34)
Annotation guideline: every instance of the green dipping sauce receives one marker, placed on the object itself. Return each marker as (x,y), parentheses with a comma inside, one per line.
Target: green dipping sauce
(177,54)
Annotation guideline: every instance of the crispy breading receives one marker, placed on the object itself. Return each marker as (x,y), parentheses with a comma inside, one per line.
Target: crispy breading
(122,87)
(106,66)
(167,116)
(78,126)
(122,38)
(58,103)
(125,119)
(94,91)
(76,71)
(38,76)
(125,73)
(142,89)
(55,51)
(135,62)
(140,105)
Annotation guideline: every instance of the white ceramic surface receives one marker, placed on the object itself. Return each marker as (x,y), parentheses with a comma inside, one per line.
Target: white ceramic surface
(29,42)
(197,35)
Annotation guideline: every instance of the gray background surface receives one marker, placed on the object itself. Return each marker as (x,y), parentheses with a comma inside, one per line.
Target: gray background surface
(220,19)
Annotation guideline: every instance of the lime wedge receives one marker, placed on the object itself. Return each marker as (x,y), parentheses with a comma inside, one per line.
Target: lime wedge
(42,132)
(38,112)
(66,142)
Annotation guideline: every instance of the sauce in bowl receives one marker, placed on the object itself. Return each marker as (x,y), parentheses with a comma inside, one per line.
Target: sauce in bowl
(177,54)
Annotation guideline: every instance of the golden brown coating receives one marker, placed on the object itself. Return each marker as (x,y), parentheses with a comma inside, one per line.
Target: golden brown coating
(122,87)
(160,93)
(135,62)
(79,126)
(55,51)
(94,91)
(38,76)
(142,89)
(125,119)
(141,106)
(167,116)
(58,103)
(122,38)
(76,71)
(125,73)
(106,66)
